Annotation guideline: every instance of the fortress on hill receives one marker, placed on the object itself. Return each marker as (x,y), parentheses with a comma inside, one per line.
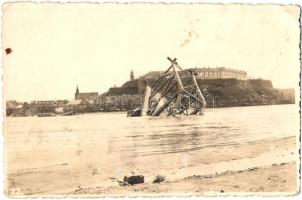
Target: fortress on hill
(225,86)
(222,87)
(202,73)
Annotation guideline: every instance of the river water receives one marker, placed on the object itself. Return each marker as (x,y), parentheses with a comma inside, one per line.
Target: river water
(105,146)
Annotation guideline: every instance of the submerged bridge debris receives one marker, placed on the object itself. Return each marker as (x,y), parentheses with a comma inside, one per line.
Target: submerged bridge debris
(172,94)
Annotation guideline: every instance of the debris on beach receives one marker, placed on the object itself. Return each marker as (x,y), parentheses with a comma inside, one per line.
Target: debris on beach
(132,180)
(159,179)
(79,189)
(252,169)
(122,183)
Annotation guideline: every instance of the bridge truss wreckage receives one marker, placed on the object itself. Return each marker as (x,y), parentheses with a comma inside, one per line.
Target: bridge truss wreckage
(175,92)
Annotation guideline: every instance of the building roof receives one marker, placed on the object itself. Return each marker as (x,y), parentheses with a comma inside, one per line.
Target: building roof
(79,102)
(74,102)
(87,95)
(19,106)
(86,101)
(48,103)
(207,69)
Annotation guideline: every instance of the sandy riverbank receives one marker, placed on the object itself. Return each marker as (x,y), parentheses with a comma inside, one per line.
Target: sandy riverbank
(268,180)
(268,166)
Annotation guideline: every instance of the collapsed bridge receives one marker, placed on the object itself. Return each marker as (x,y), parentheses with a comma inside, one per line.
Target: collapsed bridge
(172,95)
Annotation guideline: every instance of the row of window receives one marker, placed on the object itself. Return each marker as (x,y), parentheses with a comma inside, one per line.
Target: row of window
(220,74)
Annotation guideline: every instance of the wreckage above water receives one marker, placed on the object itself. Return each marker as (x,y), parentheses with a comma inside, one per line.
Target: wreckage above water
(171,95)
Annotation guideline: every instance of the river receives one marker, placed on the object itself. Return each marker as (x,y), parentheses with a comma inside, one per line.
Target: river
(103,147)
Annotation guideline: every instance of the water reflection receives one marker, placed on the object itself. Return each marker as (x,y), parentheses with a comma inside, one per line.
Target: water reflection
(110,138)
(153,136)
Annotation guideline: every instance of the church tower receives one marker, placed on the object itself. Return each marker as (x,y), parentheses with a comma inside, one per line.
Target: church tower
(76,95)
(131,75)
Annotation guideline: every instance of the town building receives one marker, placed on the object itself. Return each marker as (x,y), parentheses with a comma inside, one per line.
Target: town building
(85,95)
(48,106)
(205,73)
(73,105)
(80,106)
(218,73)
(82,102)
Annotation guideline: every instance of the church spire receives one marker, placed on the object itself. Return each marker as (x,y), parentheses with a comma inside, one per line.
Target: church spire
(131,75)
(76,95)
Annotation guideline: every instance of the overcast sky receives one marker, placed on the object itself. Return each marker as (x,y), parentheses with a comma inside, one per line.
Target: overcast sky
(56,47)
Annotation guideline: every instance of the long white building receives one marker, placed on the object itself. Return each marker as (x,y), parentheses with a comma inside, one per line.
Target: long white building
(219,73)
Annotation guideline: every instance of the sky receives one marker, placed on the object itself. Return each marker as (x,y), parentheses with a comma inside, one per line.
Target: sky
(55,47)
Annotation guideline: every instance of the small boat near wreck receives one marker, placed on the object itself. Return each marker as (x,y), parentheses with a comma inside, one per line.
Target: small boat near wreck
(171,95)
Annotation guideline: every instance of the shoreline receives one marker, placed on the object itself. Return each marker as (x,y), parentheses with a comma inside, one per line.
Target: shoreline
(255,174)
(252,181)
(243,165)
(125,111)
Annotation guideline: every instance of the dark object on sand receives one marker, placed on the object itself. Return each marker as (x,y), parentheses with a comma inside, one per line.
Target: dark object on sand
(134,179)
(122,183)
(159,179)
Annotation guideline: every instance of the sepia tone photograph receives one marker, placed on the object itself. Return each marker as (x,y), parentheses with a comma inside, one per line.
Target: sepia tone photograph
(141,99)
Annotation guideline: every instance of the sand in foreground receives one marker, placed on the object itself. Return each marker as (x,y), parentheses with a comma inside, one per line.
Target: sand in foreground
(280,178)
(267,167)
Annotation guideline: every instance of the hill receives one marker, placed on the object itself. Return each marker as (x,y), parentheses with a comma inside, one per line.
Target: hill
(222,92)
